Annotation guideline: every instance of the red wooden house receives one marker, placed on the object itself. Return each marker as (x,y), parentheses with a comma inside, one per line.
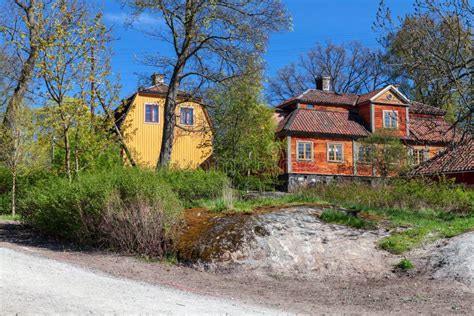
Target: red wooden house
(322,129)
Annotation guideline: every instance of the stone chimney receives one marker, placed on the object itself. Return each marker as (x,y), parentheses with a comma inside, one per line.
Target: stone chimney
(157,79)
(323,83)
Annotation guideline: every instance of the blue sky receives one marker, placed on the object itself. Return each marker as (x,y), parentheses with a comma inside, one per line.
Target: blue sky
(314,21)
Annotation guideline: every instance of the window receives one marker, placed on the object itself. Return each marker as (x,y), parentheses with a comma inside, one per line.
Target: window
(390,119)
(304,150)
(335,152)
(151,113)
(186,116)
(364,153)
(418,156)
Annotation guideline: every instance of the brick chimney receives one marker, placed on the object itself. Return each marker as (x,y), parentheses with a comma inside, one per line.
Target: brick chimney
(323,83)
(157,79)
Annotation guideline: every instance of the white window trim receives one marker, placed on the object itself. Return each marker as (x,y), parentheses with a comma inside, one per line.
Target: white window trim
(383,118)
(327,152)
(312,150)
(144,113)
(194,114)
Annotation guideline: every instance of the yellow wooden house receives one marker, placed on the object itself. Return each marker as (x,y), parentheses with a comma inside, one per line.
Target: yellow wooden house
(141,121)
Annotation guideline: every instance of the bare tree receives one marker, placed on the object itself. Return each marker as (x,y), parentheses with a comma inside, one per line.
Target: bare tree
(211,41)
(353,68)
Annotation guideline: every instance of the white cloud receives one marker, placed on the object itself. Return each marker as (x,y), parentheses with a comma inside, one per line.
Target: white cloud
(143,19)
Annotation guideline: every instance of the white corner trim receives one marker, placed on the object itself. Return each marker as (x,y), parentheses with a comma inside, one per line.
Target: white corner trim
(407,122)
(372,117)
(394,89)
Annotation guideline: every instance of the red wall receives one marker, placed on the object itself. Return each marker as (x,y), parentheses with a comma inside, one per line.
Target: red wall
(402,117)
(319,164)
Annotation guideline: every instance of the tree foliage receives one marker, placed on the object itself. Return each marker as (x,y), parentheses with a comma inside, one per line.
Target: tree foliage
(244,140)
(430,51)
(385,152)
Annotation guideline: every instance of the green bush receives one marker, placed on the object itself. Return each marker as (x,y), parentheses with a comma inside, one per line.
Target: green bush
(194,185)
(125,208)
(405,265)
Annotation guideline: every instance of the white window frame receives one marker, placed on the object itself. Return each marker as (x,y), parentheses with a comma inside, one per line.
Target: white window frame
(144,116)
(304,143)
(335,156)
(194,115)
(390,112)
(424,157)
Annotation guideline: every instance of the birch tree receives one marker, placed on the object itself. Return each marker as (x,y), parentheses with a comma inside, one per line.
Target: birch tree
(210,41)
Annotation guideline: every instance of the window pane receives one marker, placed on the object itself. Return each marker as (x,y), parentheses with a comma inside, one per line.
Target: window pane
(155,113)
(308,151)
(148,113)
(338,152)
(331,152)
(182,116)
(300,151)
(190,116)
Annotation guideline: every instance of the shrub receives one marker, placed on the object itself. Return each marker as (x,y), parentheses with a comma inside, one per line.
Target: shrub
(405,265)
(194,185)
(128,209)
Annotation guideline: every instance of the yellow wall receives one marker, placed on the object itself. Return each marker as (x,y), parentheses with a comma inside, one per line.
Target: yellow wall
(191,147)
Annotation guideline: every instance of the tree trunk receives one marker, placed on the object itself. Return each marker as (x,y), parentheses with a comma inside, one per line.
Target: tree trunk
(169,120)
(13,193)
(26,72)
(67,158)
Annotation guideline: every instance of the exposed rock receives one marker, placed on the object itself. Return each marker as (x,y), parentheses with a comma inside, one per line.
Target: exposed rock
(291,242)
(455,259)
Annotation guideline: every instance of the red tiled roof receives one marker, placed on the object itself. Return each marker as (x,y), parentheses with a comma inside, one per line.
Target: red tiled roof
(313,96)
(431,129)
(420,108)
(324,122)
(460,158)
(366,97)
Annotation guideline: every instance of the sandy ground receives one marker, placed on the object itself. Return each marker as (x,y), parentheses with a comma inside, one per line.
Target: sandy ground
(30,284)
(402,295)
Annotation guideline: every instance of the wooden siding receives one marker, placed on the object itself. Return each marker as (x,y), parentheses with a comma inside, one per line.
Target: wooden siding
(191,146)
(319,163)
(364,112)
(401,130)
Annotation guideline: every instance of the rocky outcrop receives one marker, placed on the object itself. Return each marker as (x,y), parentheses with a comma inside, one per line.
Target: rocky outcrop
(291,242)
(454,259)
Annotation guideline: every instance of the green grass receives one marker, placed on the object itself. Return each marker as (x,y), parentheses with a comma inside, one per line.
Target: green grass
(340,217)
(247,206)
(9,217)
(405,265)
(421,226)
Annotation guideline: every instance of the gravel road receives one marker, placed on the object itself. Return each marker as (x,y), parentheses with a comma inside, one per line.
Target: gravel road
(31,284)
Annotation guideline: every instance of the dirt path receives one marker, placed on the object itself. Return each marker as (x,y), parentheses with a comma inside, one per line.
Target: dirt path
(395,295)
(30,284)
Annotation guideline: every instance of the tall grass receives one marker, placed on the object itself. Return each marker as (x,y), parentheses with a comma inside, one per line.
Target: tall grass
(400,194)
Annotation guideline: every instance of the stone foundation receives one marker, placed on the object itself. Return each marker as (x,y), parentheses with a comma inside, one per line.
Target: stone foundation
(294,181)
